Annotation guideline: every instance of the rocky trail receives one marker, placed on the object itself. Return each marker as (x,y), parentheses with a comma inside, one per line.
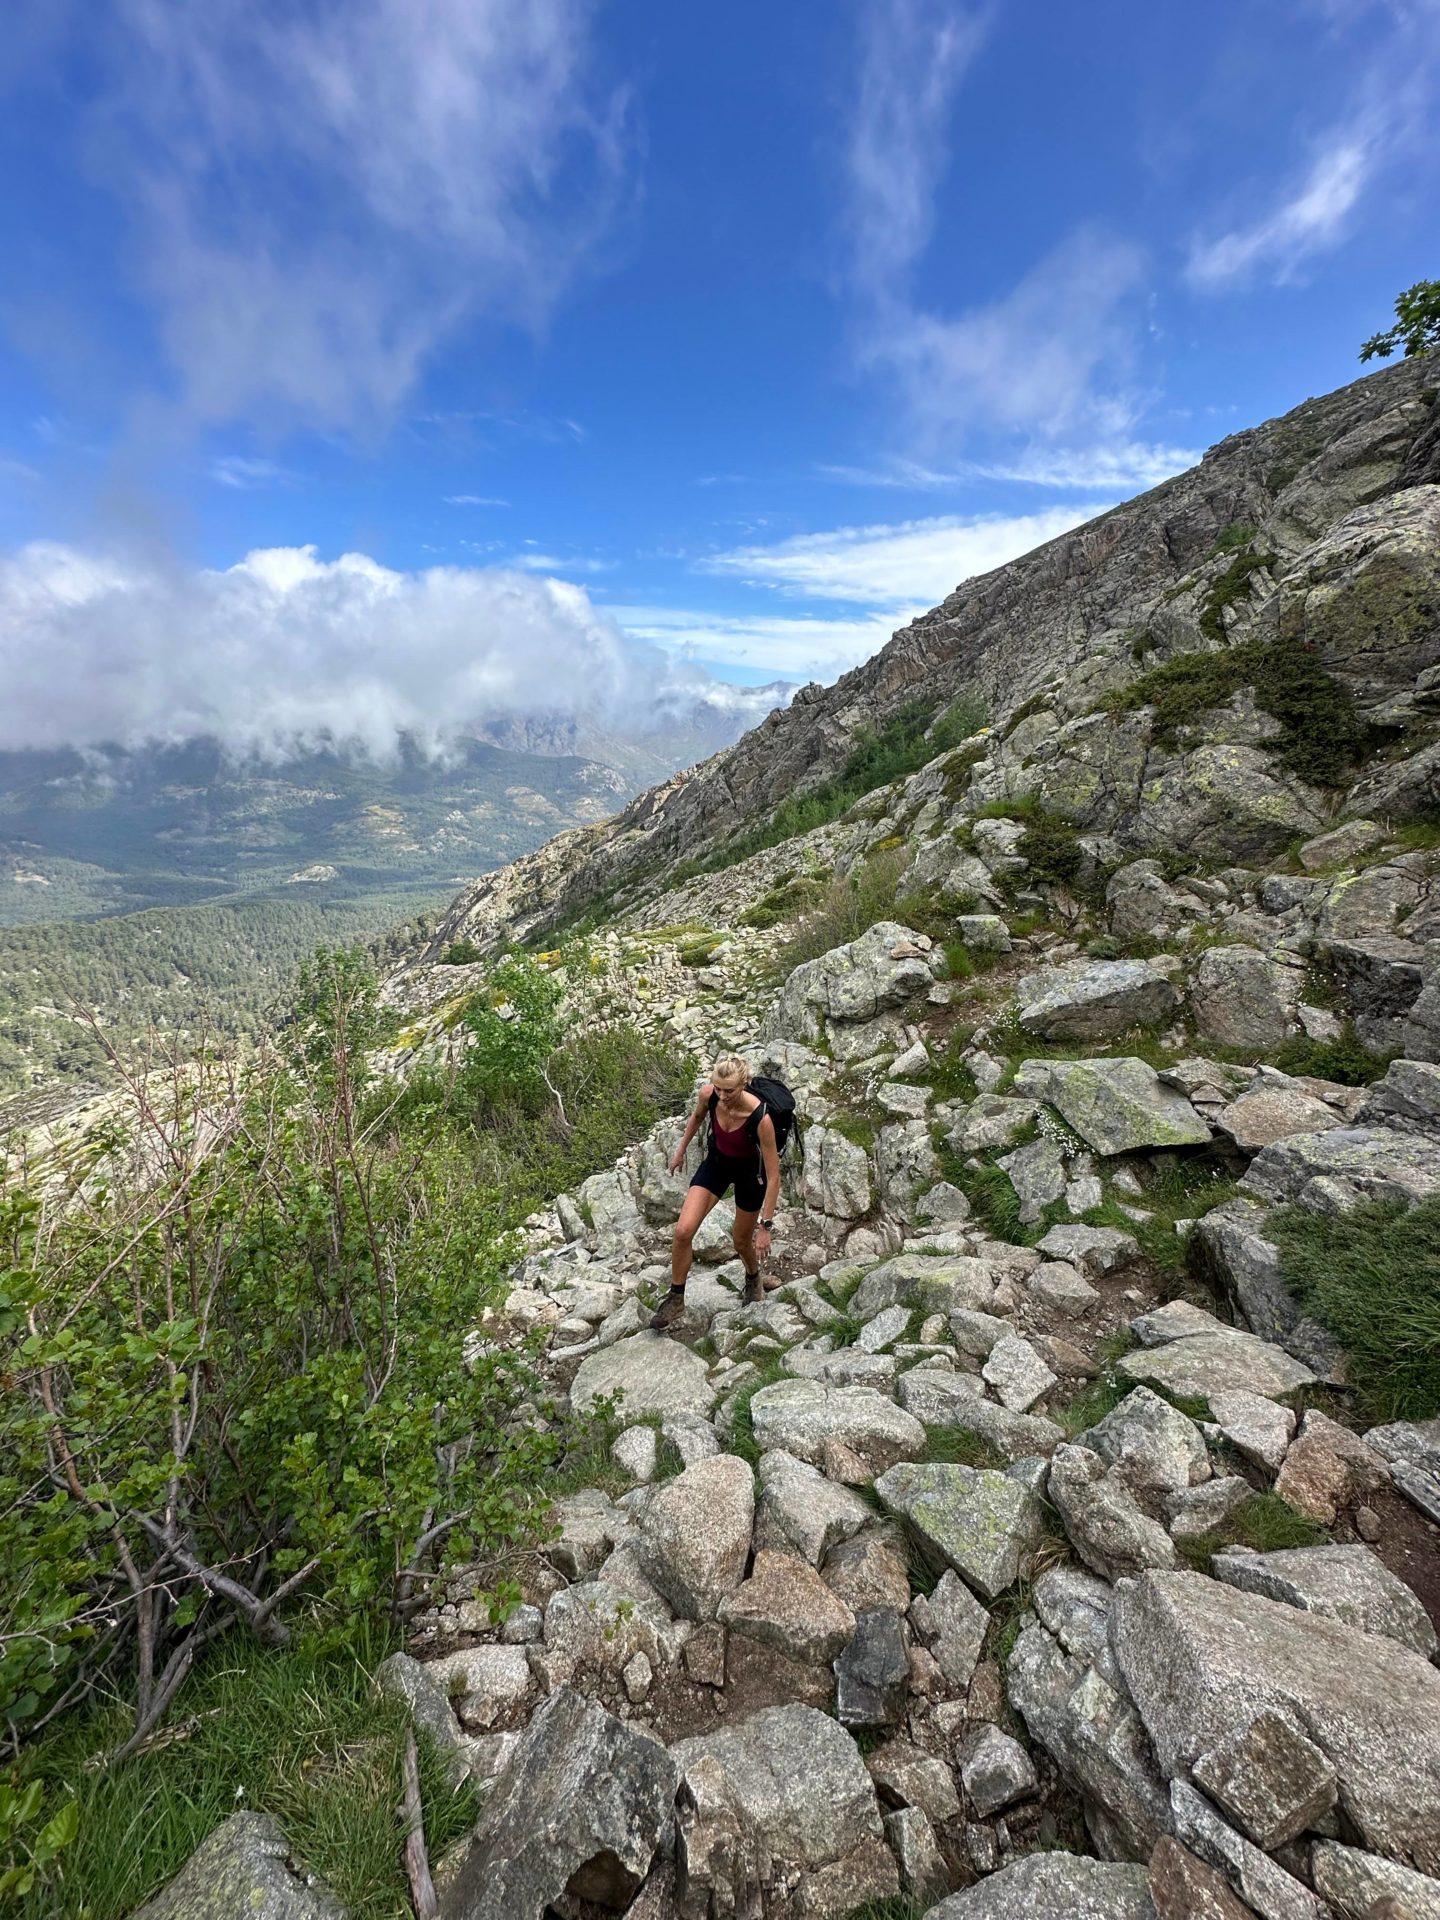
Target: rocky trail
(1033,1547)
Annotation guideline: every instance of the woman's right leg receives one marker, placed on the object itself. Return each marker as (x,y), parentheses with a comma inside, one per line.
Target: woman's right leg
(698,1202)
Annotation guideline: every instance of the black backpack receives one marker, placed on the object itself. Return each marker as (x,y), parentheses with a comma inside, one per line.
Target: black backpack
(778,1101)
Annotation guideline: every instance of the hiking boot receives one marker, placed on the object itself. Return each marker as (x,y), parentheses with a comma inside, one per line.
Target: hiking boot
(672,1309)
(754,1290)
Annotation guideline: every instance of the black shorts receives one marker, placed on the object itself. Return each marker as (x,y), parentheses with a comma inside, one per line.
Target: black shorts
(716,1171)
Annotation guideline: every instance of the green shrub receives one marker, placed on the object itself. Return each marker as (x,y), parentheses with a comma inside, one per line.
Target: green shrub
(1347,1059)
(848,906)
(1372,1276)
(1322,733)
(1238,534)
(461,953)
(1233,585)
(513,1032)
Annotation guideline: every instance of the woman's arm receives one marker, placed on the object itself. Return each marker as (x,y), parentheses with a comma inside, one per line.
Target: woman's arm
(692,1127)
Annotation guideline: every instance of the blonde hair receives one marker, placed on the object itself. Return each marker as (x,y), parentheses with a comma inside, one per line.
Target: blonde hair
(729,1073)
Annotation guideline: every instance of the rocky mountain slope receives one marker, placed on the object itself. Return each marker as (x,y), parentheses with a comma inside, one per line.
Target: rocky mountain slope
(1061,1534)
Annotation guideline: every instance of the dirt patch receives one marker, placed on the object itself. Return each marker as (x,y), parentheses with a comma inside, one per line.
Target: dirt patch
(1409,1545)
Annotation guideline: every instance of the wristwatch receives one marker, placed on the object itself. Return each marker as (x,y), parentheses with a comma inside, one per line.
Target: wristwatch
(768,1225)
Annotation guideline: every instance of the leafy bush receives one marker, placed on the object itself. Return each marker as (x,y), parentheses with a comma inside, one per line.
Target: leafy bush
(849,906)
(513,1032)
(461,953)
(1372,1276)
(1233,585)
(1322,734)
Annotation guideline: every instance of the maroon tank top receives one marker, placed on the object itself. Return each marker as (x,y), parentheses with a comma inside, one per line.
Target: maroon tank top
(737,1142)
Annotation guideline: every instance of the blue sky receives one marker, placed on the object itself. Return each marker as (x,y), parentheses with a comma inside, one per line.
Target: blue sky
(743,333)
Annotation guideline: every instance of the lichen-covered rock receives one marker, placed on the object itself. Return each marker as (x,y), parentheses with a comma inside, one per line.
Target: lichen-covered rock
(801,1416)
(649,1372)
(984,1524)
(936,1285)
(1115,1105)
(836,1178)
(942,1399)
(1332,1171)
(904,1164)
(243,1867)
(1150,1443)
(1241,998)
(852,985)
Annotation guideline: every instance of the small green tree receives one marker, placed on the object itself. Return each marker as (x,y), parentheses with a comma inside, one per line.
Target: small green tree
(1417,324)
(514,1029)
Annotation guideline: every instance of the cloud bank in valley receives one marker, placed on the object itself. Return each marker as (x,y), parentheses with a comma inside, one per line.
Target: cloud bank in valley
(286,650)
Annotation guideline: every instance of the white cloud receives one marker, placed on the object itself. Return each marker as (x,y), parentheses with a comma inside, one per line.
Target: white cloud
(913,564)
(557,563)
(234,470)
(473,500)
(778,645)
(1312,218)
(285,648)
(321,194)
(1123,464)
(914,54)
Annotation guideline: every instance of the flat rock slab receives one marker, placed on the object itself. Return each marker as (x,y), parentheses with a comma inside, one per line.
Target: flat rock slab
(1348,1583)
(652,1374)
(983,1524)
(1116,1106)
(800,1416)
(1201,1660)
(1227,1359)
(1346,1165)
(1054,1886)
(243,1867)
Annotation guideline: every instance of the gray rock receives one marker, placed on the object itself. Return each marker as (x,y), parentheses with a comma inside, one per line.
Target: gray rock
(1197,1511)
(1094,1000)
(906,1777)
(1075,1607)
(1258,1429)
(951,1622)
(781,1803)
(800,1511)
(1150,1443)
(694,1535)
(1260,1882)
(691,1435)
(935,1285)
(836,1179)
(1093,1733)
(888,1326)
(983,932)
(429,1705)
(1054,1886)
(1416,1442)
(651,1373)
(1116,1106)
(873,1672)
(787,1606)
(582,1804)
(870,1570)
(801,1416)
(595,1627)
(1353,1882)
(1106,1527)
(1268,1113)
(853,985)
(1407,1096)
(634,1452)
(995,1770)
(591,1527)
(923,1873)
(484,1684)
(1037,1173)
(904,1164)
(1348,1583)
(1225,1359)
(1016,1374)
(942,1399)
(1332,1171)
(983,1524)
(1325,1467)
(1201,1659)
(1241,998)
(1183,1887)
(991,1121)
(1341,845)
(1058,1286)
(244,1867)
(1094,1250)
(1271,1780)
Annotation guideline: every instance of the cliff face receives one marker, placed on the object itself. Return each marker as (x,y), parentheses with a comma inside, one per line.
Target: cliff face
(1067,615)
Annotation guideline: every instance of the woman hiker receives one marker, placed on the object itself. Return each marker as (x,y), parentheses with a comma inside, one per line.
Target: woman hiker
(742,1153)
